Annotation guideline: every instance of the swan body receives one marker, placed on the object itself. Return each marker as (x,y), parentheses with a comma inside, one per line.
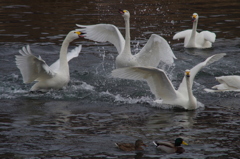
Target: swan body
(162,87)
(169,147)
(227,83)
(55,76)
(156,49)
(193,39)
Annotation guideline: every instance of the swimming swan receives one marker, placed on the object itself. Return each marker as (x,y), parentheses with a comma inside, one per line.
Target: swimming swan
(35,69)
(156,49)
(162,87)
(193,39)
(227,83)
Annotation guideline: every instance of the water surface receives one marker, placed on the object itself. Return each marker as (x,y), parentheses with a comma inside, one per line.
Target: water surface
(95,110)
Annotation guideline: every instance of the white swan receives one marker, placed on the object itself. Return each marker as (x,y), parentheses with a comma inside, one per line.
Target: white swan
(227,83)
(35,69)
(162,87)
(193,39)
(156,49)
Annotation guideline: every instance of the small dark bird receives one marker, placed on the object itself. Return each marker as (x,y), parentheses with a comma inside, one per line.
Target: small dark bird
(170,147)
(130,146)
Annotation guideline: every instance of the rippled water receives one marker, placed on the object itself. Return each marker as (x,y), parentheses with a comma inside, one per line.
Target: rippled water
(95,110)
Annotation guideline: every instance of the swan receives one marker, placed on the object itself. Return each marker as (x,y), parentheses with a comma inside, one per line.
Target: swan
(227,83)
(161,86)
(57,75)
(193,39)
(156,49)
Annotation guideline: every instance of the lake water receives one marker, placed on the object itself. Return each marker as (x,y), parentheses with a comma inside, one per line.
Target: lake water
(95,110)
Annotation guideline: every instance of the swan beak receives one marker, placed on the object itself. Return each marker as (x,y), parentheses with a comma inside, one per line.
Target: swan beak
(194,18)
(187,73)
(184,143)
(121,11)
(80,34)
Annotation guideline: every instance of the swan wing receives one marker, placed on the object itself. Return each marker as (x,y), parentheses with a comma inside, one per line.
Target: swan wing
(103,33)
(157,80)
(209,36)
(72,54)
(155,50)
(31,67)
(231,82)
(197,68)
(227,83)
(182,34)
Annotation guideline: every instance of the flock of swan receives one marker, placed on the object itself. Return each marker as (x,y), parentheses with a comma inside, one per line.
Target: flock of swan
(141,66)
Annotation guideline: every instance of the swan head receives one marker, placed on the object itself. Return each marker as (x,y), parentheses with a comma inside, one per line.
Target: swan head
(187,73)
(194,17)
(72,35)
(125,13)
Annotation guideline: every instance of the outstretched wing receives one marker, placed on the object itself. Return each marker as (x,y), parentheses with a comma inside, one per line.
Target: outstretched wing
(103,33)
(157,80)
(72,54)
(155,50)
(197,68)
(31,67)
(182,34)
(209,36)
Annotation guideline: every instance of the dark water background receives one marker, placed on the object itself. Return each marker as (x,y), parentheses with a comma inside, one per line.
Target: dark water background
(95,110)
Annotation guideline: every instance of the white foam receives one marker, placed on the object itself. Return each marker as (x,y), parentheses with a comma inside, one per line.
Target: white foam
(129,100)
(159,104)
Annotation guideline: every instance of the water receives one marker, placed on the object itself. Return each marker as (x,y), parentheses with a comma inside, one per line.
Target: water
(96,110)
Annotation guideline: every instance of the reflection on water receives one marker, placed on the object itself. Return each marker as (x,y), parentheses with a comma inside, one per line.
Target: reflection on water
(94,111)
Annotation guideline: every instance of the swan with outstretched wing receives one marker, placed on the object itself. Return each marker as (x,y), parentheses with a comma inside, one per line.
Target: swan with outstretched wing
(193,39)
(161,86)
(35,68)
(155,50)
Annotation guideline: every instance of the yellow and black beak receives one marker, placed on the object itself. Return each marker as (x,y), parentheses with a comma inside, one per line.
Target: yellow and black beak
(187,73)
(80,34)
(194,18)
(184,143)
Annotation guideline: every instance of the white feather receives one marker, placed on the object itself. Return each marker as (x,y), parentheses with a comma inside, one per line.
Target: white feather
(193,39)
(72,54)
(227,83)
(156,49)
(162,87)
(36,69)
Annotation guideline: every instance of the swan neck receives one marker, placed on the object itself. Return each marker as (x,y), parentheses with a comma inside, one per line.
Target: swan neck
(127,35)
(191,98)
(194,29)
(63,55)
